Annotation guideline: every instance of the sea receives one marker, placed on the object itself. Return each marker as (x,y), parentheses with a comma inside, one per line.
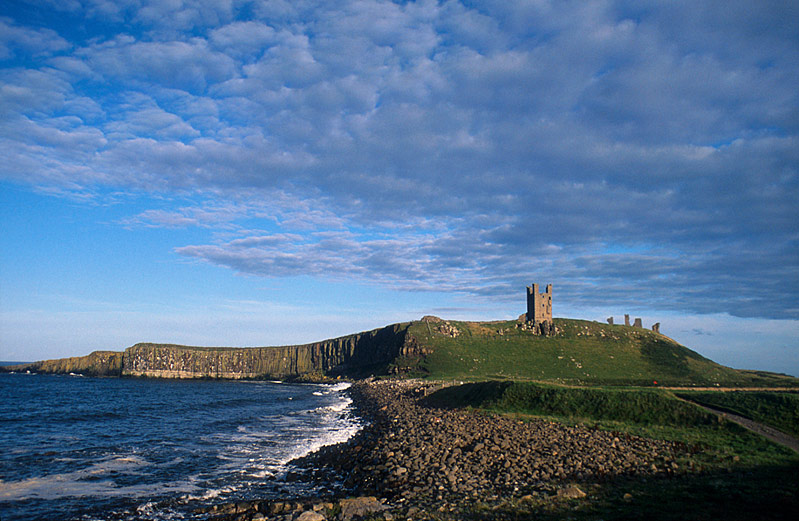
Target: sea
(81,448)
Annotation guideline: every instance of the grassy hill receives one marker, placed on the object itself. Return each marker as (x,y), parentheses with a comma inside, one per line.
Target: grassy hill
(581,353)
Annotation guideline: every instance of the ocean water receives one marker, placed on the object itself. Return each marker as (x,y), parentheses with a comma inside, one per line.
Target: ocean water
(76,448)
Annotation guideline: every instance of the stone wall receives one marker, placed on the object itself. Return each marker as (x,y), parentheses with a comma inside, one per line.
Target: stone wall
(539,305)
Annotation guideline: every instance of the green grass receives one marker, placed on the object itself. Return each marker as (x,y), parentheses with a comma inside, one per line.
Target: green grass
(649,413)
(647,407)
(581,353)
(777,409)
(727,473)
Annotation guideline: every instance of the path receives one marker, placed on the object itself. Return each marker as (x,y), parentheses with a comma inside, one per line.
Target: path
(771,433)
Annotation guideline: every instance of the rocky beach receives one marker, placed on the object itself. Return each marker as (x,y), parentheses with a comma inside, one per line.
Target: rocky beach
(415,461)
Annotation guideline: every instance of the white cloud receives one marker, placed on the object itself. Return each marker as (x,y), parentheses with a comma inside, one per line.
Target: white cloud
(243,38)
(16,40)
(188,65)
(531,135)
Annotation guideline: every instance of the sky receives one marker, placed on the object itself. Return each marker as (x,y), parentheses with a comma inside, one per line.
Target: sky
(268,172)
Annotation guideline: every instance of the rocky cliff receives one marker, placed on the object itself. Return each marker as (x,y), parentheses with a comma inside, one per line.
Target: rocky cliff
(98,363)
(352,355)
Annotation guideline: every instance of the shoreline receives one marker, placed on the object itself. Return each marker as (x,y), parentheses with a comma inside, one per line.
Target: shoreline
(410,461)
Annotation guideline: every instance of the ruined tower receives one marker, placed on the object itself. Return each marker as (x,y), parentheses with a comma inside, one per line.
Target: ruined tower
(539,309)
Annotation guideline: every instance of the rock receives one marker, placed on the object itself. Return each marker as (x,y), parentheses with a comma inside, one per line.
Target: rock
(310,515)
(571,492)
(415,455)
(359,507)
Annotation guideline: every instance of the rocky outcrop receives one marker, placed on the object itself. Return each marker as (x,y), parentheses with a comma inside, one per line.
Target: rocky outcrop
(353,355)
(98,363)
(357,354)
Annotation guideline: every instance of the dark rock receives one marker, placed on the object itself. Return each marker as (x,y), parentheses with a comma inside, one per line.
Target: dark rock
(359,507)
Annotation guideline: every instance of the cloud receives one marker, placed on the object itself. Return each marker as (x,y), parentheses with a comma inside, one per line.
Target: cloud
(437,145)
(186,65)
(17,41)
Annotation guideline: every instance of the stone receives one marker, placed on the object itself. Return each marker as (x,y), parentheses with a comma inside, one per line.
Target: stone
(571,492)
(539,310)
(610,320)
(360,506)
(638,323)
(626,319)
(656,327)
(310,515)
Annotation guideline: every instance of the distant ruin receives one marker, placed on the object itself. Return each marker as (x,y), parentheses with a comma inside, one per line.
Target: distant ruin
(538,318)
(637,323)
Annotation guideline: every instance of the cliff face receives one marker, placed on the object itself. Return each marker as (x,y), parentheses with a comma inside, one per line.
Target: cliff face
(348,355)
(98,363)
(351,355)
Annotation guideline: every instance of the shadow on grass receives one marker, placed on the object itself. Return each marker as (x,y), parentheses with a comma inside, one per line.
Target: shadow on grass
(762,493)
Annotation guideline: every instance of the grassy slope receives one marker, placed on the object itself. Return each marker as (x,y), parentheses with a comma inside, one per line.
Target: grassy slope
(780,410)
(729,474)
(582,352)
(655,413)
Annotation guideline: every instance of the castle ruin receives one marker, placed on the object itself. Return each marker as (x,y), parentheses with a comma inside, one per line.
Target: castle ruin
(637,323)
(539,310)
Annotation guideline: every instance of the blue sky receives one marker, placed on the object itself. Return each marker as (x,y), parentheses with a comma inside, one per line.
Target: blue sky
(266,172)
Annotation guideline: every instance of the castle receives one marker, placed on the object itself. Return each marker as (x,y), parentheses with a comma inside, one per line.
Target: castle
(539,310)
(538,318)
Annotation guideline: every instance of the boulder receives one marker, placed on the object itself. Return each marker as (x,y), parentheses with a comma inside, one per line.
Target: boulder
(360,506)
(571,492)
(310,515)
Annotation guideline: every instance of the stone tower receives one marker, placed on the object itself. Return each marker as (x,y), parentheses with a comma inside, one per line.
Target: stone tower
(539,305)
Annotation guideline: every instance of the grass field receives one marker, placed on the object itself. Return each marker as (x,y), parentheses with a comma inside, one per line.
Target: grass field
(581,353)
(651,413)
(731,473)
(779,410)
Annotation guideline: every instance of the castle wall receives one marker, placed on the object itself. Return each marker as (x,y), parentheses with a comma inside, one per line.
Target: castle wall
(539,305)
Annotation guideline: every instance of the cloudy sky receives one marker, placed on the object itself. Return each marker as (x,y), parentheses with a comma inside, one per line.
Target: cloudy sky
(261,172)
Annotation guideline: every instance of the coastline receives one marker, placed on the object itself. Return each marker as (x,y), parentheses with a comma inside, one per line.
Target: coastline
(411,461)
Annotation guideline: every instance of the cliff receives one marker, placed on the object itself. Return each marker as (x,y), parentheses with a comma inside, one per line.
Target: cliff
(578,352)
(351,355)
(98,363)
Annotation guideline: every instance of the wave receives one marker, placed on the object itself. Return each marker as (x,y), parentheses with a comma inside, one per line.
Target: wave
(166,446)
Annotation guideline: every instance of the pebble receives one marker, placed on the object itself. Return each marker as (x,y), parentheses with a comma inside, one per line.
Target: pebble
(411,459)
